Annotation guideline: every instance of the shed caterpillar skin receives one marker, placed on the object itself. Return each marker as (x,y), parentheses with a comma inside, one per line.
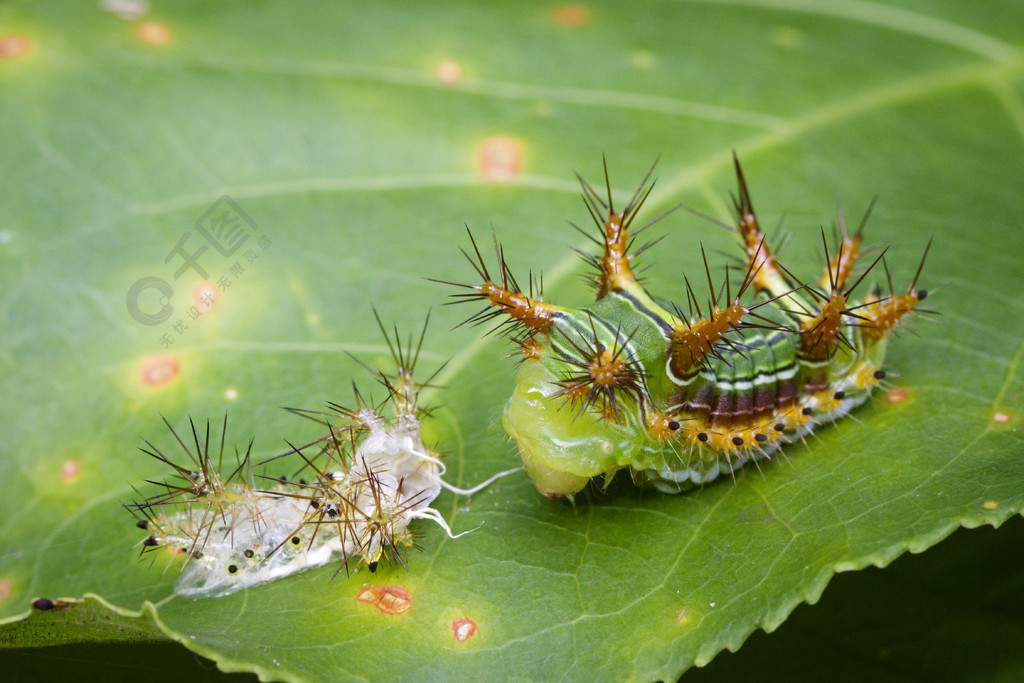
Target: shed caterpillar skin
(362,485)
(681,394)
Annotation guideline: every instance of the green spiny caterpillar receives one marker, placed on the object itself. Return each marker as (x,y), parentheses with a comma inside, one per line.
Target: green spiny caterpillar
(680,394)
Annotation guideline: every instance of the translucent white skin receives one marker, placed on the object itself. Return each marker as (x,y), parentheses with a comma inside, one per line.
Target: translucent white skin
(407,480)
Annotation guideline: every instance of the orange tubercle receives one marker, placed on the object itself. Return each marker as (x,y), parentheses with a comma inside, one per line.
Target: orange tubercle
(885,315)
(692,343)
(821,334)
(616,272)
(533,313)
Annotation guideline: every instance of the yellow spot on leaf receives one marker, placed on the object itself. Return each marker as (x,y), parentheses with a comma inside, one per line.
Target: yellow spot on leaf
(153,33)
(787,37)
(449,73)
(70,470)
(896,396)
(500,159)
(205,297)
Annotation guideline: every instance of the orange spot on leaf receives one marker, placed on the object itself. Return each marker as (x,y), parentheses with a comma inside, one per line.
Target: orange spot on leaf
(990,505)
(5,589)
(896,396)
(14,45)
(464,628)
(70,470)
(153,33)
(449,72)
(1000,416)
(388,599)
(205,296)
(159,370)
(571,15)
(500,158)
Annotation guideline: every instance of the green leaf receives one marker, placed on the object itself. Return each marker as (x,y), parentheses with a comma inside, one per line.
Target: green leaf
(337,131)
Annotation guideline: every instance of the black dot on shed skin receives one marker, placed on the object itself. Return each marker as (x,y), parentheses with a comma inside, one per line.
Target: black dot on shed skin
(760,438)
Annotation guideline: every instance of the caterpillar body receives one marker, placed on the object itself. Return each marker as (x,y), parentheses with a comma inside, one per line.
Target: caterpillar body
(680,394)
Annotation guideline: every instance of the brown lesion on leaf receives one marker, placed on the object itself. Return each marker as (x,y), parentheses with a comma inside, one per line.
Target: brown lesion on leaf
(500,159)
(896,395)
(70,470)
(14,45)
(463,629)
(159,370)
(388,599)
(154,33)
